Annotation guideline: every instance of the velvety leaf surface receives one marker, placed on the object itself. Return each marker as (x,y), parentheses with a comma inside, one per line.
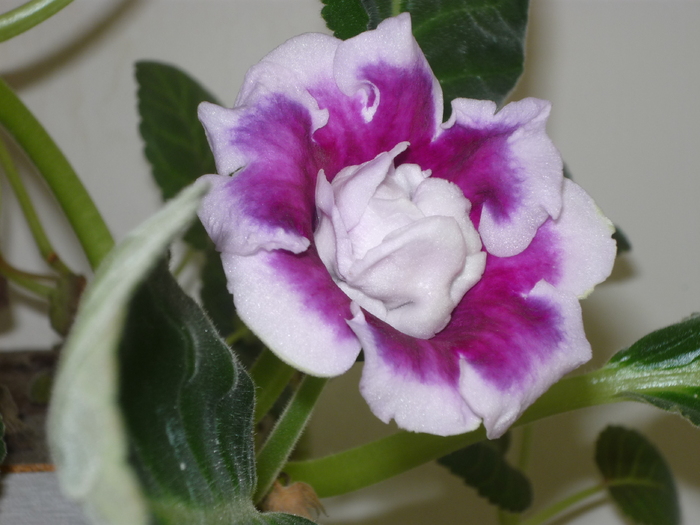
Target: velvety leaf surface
(164,436)
(667,364)
(476,48)
(86,431)
(175,143)
(188,408)
(484,467)
(637,477)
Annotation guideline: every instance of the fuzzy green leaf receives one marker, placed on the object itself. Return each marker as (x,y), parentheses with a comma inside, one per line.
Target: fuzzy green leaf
(637,477)
(175,143)
(153,426)
(484,467)
(86,430)
(476,48)
(188,408)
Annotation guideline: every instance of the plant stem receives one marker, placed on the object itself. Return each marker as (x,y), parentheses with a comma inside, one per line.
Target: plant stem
(53,166)
(544,515)
(25,202)
(24,279)
(525,448)
(374,462)
(270,375)
(27,16)
(284,436)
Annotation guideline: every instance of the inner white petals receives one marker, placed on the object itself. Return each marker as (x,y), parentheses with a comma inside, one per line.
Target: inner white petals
(397,242)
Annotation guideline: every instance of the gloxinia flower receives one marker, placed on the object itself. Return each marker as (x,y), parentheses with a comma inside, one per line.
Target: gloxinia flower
(349,218)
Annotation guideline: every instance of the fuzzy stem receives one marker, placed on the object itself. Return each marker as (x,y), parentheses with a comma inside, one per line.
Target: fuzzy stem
(284,436)
(26,16)
(53,166)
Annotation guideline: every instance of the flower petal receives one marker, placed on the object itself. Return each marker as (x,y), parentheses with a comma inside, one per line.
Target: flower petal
(500,396)
(275,190)
(418,397)
(506,165)
(583,240)
(379,74)
(295,308)
(293,69)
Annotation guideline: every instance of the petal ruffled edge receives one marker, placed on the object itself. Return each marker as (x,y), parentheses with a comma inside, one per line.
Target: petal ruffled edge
(530,171)
(293,69)
(432,405)
(235,232)
(500,407)
(295,308)
(584,242)
(392,45)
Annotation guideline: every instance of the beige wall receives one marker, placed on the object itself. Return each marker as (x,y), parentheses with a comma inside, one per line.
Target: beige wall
(624,79)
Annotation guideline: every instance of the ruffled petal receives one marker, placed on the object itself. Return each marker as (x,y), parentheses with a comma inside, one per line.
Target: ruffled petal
(500,396)
(275,190)
(293,70)
(582,236)
(408,380)
(506,165)
(378,75)
(510,338)
(295,308)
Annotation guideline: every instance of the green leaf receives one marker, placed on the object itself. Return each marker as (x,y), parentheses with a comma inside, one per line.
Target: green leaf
(476,48)
(637,477)
(663,369)
(155,425)
(175,143)
(346,18)
(188,407)
(484,467)
(86,431)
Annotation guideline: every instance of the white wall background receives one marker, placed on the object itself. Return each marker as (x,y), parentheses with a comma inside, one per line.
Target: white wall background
(624,78)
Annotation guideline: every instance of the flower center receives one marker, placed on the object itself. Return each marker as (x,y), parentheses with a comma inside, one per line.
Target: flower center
(397,242)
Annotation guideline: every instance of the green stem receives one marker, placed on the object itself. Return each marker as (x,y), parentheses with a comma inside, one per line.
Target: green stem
(284,436)
(186,258)
(365,465)
(25,202)
(525,448)
(53,166)
(27,16)
(24,279)
(374,462)
(546,514)
(270,375)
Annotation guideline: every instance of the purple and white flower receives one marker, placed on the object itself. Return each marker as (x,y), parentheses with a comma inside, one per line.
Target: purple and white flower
(349,218)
